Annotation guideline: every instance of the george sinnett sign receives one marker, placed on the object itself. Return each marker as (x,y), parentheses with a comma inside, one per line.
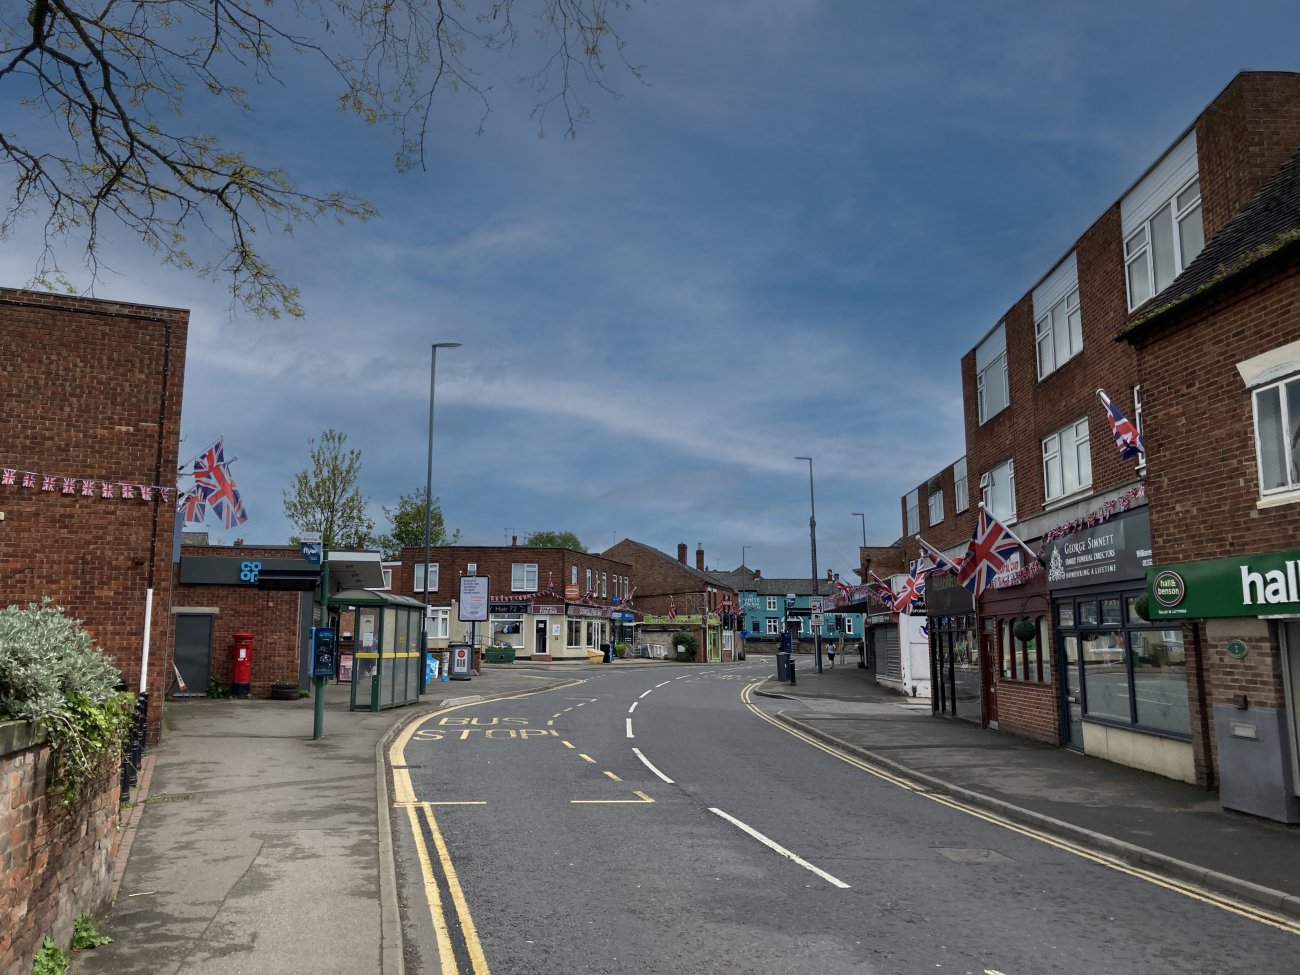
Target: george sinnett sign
(1249,585)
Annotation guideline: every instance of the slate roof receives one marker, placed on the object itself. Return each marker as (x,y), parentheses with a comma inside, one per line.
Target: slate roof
(1268,224)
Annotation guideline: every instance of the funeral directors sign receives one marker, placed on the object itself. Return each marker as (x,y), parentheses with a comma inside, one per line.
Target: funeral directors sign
(1113,550)
(1267,584)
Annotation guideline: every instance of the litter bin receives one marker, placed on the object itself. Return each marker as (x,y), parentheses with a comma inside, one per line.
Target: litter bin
(785,668)
(609,652)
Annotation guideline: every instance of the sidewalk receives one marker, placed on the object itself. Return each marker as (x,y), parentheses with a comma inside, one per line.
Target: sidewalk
(258,849)
(1168,826)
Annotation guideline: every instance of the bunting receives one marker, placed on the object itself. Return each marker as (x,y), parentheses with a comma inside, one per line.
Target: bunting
(68,485)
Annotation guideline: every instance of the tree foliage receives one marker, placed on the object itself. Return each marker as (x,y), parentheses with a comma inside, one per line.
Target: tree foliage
(406,525)
(551,539)
(119,93)
(325,497)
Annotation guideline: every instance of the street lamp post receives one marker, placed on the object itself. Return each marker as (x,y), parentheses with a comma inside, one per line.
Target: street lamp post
(743,549)
(812,535)
(428,510)
(864,526)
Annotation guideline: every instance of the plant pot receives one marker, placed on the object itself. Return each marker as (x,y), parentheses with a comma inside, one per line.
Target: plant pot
(284,693)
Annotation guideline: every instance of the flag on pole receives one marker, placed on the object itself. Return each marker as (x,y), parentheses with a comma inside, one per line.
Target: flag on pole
(881,589)
(913,589)
(213,480)
(672,609)
(194,507)
(1127,438)
(937,559)
(987,554)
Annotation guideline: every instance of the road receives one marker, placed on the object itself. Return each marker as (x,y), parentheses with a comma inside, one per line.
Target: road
(652,820)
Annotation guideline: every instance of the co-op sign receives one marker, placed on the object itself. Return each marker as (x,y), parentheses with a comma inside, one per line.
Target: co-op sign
(1266,584)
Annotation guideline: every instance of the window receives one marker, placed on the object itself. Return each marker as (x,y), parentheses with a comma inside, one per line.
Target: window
(1162,246)
(771,604)
(604,584)
(913,511)
(388,578)
(1024,660)
(588,581)
(848,625)
(418,584)
(960,492)
(1067,464)
(574,630)
(935,507)
(523,577)
(1277,435)
(439,623)
(1137,421)
(574,574)
(991,374)
(998,488)
(773,626)
(1058,326)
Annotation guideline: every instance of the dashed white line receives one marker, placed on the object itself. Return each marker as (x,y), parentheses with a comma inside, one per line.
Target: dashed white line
(651,689)
(629,728)
(646,762)
(632,708)
(664,684)
(772,845)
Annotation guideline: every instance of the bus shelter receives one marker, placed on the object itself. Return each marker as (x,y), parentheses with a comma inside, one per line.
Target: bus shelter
(386,642)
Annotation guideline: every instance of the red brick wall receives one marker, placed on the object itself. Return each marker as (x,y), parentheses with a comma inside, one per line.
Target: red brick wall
(272,617)
(53,867)
(98,395)
(956,526)
(554,565)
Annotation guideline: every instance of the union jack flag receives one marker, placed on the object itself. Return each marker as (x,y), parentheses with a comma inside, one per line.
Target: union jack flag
(69,485)
(212,479)
(987,554)
(1127,438)
(193,506)
(29,479)
(128,491)
(47,482)
(106,490)
(843,587)
(881,589)
(8,475)
(672,610)
(913,589)
(87,488)
(937,559)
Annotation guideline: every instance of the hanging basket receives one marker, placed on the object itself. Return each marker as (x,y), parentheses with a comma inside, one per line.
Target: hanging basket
(1025,630)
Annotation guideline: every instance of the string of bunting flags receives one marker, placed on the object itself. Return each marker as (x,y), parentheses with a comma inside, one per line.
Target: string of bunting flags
(85,487)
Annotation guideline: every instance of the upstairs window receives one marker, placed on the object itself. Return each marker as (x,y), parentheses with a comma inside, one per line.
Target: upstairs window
(418,585)
(998,487)
(913,511)
(1058,326)
(1161,221)
(960,490)
(523,577)
(1277,436)
(771,604)
(991,374)
(1067,463)
(935,506)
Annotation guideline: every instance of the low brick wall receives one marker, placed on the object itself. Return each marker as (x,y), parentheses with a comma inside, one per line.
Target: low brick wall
(55,866)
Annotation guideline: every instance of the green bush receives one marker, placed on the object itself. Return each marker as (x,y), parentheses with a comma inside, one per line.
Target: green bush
(52,674)
(687,640)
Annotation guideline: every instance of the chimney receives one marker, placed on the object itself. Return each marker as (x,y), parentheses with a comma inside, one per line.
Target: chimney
(699,556)
(681,552)
(829,577)
(514,540)
(758,573)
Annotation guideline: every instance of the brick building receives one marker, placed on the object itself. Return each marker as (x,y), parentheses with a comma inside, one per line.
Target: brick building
(693,597)
(545,603)
(89,432)
(1066,656)
(1220,356)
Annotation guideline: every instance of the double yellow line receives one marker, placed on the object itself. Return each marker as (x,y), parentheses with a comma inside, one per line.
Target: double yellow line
(1232,905)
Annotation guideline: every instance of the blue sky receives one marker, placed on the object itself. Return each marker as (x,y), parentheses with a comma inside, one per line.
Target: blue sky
(780,245)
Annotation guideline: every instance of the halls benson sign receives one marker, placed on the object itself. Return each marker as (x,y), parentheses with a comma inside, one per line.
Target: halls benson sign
(1248,585)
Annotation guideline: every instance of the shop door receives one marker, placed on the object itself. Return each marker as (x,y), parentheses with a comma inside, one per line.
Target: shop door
(1291,673)
(193,655)
(1071,691)
(539,636)
(987,684)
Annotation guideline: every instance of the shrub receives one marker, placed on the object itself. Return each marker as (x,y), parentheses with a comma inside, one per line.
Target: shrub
(686,639)
(52,674)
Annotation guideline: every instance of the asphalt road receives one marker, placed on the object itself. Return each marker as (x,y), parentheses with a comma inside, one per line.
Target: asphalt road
(541,834)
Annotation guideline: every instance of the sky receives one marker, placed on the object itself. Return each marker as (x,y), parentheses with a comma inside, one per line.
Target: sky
(779,243)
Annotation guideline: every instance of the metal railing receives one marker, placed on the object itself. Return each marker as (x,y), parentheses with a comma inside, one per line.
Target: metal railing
(133,747)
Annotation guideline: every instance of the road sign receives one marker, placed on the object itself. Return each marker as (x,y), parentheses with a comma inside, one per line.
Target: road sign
(816,604)
(460,661)
(473,599)
(818,619)
(323,658)
(310,552)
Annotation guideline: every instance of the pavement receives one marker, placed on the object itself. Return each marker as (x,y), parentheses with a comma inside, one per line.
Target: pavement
(249,847)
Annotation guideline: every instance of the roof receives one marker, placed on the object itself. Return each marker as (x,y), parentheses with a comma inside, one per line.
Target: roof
(709,578)
(1268,225)
(368,597)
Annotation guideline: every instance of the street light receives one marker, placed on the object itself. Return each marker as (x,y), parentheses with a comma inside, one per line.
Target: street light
(428,508)
(812,535)
(864,526)
(743,549)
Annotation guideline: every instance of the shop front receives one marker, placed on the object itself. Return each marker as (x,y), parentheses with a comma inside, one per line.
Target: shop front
(1123,686)
(954,650)
(586,632)
(1242,615)
(1016,672)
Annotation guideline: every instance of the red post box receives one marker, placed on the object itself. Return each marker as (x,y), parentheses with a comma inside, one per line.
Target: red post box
(241,677)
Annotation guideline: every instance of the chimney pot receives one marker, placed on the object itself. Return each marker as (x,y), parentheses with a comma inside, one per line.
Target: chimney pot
(699,556)
(681,552)
(514,540)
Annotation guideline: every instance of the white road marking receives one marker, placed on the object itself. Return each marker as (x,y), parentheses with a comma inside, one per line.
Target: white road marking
(771,844)
(646,762)
(651,689)
(629,728)
(664,684)
(632,708)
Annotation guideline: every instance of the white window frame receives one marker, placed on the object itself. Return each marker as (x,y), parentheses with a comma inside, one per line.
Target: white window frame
(1173,213)
(848,625)
(960,486)
(934,505)
(771,604)
(439,623)
(1290,444)
(913,511)
(574,573)
(604,584)
(991,374)
(773,626)
(418,576)
(1137,421)
(388,579)
(988,482)
(523,577)
(1062,324)
(588,588)
(1068,460)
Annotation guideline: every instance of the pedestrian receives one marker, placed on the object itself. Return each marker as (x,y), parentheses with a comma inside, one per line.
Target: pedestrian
(830,652)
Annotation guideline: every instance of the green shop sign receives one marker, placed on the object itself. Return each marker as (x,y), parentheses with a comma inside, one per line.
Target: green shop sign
(1249,585)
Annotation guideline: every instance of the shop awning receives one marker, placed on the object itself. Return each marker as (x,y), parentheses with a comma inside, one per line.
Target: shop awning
(355,570)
